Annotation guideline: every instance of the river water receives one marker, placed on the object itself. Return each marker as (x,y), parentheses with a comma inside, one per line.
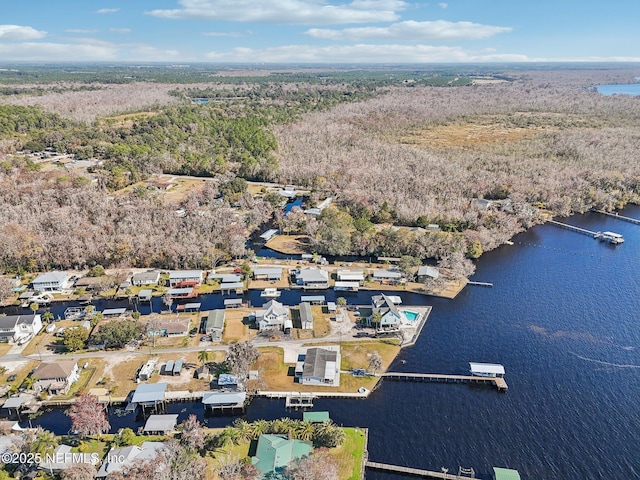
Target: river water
(563,318)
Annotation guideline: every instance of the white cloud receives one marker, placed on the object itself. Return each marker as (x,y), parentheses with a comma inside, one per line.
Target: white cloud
(108,10)
(81,30)
(413,31)
(443,5)
(19,33)
(227,34)
(120,30)
(287,11)
(363,53)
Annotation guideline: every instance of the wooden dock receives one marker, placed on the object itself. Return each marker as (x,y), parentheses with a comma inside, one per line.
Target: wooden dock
(416,471)
(498,382)
(573,228)
(619,217)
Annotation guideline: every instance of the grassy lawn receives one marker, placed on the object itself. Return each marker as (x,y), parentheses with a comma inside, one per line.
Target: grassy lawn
(275,374)
(348,456)
(236,328)
(4,348)
(321,326)
(23,372)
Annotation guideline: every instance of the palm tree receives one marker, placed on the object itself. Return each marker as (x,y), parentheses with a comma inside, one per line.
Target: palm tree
(244,428)
(44,443)
(229,436)
(203,356)
(34,307)
(260,427)
(304,431)
(47,316)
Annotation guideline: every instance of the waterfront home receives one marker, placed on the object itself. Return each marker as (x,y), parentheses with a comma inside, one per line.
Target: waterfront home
(274,452)
(225,277)
(227,381)
(317,210)
(119,459)
(161,424)
(385,316)
(267,273)
(168,327)
(15,328)
(269,234)
(214,325)
(427,273)
(312,279)
(319,366)
(272,316)
(350,276)
(389,277)
(306,317)
(145,278)
(56,377)
(51,282)
(185,278)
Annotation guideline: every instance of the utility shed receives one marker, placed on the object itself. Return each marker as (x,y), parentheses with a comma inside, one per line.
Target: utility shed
(161,424)
(486,369)
(168,368)
(177,367)
(505,474)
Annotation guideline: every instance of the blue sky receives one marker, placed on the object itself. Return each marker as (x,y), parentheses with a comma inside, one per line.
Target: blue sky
(319,31)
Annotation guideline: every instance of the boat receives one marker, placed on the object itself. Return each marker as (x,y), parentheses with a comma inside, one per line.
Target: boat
(270,293)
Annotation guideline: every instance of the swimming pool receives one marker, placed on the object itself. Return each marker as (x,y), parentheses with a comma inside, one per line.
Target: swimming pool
(411,316)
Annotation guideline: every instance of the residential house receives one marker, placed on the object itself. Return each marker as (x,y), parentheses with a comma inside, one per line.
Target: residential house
(391,277)
(274,452)
(56,377)
(273,315)
(51,282)
(214,324)
(185,278)
(14,328)
(145,278)
(389,317)
(427,273)
(312,279)
(319,366)
(350,276)
(306,317)
(481,204)
(225,277)
(169,327)
(267,273)
(119,459)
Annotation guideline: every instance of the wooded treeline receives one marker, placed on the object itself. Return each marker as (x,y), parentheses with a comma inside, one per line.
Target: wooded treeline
(398,156)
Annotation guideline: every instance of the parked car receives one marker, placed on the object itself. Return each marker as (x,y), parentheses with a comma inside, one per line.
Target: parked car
(193,332)
(11,378)
(205,338)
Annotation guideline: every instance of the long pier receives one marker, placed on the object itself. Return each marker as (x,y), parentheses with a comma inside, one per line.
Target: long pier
(418,472)
(573,228)
(498,382)
(620,217)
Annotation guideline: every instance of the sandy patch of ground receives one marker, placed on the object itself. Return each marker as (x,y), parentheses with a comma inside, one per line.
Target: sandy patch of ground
(290,244)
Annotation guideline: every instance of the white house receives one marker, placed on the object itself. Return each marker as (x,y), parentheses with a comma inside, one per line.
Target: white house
(390,317)
(387,276)
(427,272)
(183,276)
(312,278)
(56,377)
(272,315)
(13,328)
(119,459)
(51,282)
(319,366)
(350,276)
(145,278)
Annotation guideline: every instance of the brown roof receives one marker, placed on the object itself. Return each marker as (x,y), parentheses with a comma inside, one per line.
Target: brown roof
(47,371)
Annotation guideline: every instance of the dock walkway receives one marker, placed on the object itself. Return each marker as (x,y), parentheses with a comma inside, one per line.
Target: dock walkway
(415,471)
(620,217)
(498,382)
(573,228)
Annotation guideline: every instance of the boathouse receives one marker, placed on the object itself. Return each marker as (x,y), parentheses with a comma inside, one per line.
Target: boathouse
(486,369)
(505,474)
(161,424)
(267,273)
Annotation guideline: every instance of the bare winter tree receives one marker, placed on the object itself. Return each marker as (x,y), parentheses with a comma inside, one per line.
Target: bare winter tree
(240,357)
(88,416)
(320,465)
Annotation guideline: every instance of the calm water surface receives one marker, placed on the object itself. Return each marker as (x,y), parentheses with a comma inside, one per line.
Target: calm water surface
(564,319)
(621,89)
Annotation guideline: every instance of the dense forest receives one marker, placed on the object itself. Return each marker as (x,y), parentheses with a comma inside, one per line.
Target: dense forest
(391,148)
